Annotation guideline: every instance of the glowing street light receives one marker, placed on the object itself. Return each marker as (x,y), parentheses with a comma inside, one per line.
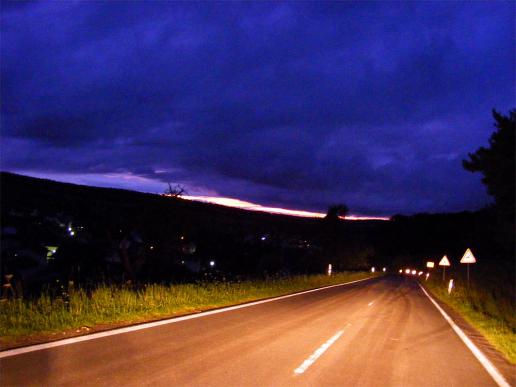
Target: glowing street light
(212,263)
(384,269)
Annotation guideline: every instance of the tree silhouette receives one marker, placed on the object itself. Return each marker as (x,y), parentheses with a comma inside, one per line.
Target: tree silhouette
(497,162)
(176,191)
(337,210)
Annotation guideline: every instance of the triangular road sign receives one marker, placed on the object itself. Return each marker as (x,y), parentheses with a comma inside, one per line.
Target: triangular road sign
(444,261)
(468,257)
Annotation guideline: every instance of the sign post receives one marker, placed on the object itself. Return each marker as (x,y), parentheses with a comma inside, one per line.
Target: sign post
(429,265)
(468,258)
(444,262)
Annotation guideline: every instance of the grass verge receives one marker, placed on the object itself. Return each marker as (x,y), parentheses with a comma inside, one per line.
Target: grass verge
(114,305)
(485,309)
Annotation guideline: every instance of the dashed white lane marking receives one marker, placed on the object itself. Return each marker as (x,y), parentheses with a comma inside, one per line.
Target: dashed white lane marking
(489,367)
(371,303)
(311,360)
(93,336)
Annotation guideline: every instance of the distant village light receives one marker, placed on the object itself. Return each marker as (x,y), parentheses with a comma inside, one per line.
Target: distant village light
(372,269)
(51,250)
(212,263)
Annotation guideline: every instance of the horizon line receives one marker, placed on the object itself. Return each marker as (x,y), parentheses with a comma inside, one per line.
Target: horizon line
(100,181)
(249,206)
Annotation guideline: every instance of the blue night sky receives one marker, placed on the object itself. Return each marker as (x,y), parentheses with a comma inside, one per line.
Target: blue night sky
(291,104)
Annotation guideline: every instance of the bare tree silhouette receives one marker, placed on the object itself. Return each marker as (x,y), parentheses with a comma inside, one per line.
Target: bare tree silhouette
(175,191)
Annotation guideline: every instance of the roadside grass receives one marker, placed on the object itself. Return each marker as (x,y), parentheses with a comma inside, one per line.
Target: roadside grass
(117,305)
(487,306)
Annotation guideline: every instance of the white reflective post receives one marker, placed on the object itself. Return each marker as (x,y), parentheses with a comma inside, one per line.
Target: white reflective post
(450,286)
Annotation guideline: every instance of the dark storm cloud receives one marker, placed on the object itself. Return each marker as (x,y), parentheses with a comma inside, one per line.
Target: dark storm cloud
(289,104)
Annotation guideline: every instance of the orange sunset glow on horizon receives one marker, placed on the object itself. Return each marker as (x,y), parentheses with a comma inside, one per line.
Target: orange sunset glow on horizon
(237,203)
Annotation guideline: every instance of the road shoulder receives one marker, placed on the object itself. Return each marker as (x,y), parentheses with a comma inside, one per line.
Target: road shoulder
(507,370)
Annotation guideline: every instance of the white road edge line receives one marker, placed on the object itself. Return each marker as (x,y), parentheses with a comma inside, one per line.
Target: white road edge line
(93,336)
(311,360)
(489,367)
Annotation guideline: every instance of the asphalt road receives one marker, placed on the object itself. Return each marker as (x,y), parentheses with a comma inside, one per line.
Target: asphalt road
(381,332)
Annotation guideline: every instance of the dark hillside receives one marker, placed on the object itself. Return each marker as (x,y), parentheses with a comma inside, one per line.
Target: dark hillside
(58,231)
(177,239)
(120,207)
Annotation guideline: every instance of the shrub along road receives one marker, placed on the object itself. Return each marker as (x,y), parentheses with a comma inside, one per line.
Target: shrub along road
(383,331)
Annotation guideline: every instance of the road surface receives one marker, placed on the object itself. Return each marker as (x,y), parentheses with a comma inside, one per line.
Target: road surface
(380,332)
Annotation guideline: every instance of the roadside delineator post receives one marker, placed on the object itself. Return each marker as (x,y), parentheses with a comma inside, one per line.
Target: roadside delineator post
(450,286)
(444,262)
(468,258)
(329,269)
